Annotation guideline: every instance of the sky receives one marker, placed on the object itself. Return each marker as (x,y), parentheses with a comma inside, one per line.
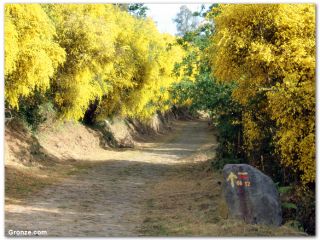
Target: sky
(163,15)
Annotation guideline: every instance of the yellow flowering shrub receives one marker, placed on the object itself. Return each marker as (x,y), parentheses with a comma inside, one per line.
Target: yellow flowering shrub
(269,50)
(79,54)
(143,68)
(252,132)
(31,54)
(87,32)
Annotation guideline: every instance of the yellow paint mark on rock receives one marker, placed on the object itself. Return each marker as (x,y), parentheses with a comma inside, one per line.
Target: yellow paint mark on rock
(232,177)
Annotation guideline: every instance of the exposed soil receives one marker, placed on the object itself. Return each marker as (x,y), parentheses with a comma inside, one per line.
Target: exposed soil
(163,187)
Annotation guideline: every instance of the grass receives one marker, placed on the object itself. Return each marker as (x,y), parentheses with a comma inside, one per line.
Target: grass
(22,182)
(181,206)
(154,228)
(125,172)
(150,203)
(63,207)
(19,184)
(79,168)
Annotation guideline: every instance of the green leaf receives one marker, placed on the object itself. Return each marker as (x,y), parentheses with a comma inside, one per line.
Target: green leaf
(284,189)
(289,205)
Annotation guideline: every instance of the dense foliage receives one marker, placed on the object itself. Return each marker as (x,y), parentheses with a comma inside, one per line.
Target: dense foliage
(31,54)
(77,55)
(269,50)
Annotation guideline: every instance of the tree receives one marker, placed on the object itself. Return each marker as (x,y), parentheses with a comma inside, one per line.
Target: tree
(185,21)
(88,56)
(114,60)
(269,50)
(136,9)
(87,32)
(32,54)
(144,66)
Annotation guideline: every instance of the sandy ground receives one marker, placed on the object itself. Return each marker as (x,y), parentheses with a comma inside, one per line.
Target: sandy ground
(109,199)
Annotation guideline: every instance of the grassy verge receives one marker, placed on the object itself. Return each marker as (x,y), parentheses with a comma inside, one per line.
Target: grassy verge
(189,203)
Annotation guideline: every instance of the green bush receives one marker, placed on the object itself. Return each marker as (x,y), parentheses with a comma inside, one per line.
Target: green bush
(35,111)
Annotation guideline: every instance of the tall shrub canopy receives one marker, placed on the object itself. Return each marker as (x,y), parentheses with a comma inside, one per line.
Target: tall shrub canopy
(269,50)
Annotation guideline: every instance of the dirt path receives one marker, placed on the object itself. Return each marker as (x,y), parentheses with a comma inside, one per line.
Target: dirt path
(110,198)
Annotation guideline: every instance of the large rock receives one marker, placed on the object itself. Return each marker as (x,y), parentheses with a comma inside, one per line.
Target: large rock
(251,195)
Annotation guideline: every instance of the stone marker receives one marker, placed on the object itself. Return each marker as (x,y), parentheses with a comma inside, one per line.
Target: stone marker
(251,195)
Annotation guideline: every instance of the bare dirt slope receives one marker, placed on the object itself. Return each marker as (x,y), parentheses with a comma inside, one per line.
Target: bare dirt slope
(160,188)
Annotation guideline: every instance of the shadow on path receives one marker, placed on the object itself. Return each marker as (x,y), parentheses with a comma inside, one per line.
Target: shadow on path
(108,199)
